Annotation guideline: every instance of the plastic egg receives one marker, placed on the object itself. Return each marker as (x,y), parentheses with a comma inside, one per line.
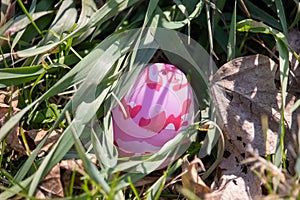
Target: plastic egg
(158,106)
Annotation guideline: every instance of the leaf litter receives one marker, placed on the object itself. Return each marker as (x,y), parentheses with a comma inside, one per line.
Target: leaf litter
(190,178)
(244,91)
(59,180)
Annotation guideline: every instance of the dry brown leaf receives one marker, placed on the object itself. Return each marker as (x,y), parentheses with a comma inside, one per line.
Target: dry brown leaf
(68,167)
(37,135)
(59,178)
(73,165)
(243,91)
(6,99)
(235,180)
(190,178)
(51,186)
(33,138)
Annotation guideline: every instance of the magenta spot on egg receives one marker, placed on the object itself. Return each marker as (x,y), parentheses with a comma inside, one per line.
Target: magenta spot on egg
(154,86)
(176,121)
(144,122)
(134,111)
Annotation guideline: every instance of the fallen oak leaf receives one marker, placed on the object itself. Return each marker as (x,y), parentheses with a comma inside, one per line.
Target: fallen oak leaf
(31,139)
(243,90)
(8,98)
(235,180)
(68,168)
(59,179)
(37,135)
(51,186)
(190,178)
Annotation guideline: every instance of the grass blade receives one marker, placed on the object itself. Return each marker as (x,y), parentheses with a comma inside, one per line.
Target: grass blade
(262,15)
(90,168)
(106,12)
(179,24)
(17,76)
(19,34)
(281,15)
(8,193)
(86,93)
(64,20)
(107,159)
(29,17)
(232,36)
(297,17)
(88,8)
(155,190)
(29,162)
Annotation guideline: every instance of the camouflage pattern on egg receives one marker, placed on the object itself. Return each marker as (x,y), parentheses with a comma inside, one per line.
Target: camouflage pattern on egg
(157,107)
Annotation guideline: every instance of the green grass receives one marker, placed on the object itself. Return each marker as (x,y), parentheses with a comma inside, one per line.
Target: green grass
(90,55)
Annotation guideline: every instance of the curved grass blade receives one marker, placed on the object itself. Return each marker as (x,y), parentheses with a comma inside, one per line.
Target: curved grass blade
(88,165)
(10,192)
(4,7)
(87,112)
(262,15)
(190,58)
(220,5)
(155,190)
(21,22)
(210,28)
(20,175)
(29,17)
(104,55)
(17,76)
(107,158)
(58,151)
(88,8)
(64,20)
(140,166)
(20,33)
(150,10)
(281,16)
(232,36)
(135,192)
(297,17)
(180,24)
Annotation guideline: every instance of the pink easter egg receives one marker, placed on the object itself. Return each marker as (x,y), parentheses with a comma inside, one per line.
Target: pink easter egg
(158,106)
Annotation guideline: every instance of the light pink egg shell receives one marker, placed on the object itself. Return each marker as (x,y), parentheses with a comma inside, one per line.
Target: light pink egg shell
(157,107)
